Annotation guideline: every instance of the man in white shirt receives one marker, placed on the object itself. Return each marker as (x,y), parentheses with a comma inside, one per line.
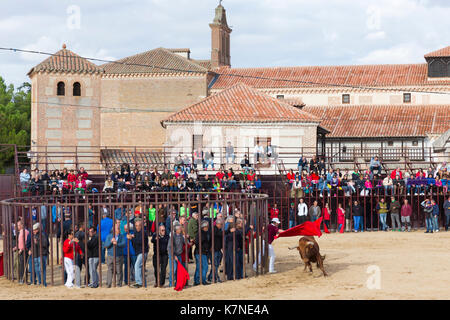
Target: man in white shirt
(302,211)
(258,151)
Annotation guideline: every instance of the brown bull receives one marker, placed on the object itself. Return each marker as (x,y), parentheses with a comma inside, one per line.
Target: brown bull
(310,252)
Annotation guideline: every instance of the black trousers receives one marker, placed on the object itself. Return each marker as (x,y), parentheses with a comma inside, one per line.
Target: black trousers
(23,264)
(163,259)
(229,264)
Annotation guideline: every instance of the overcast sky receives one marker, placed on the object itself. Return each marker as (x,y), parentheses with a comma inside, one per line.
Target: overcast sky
(265,32)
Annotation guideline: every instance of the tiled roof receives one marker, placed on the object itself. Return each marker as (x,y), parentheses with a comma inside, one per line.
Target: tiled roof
(240,104)
(158,60)
(204,63)
(325,76)
(444,52)
(383,120)
(66,61)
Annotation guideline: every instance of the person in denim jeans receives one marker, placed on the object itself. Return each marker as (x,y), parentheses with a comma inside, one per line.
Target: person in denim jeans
(201,257)
(175,249)
(382,209)
(93,258)
(428,211)
(435,216)
(40,248)
(140,244)
(218,240)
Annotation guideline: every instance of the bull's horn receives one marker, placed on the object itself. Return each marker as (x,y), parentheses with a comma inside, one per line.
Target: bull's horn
(293,248)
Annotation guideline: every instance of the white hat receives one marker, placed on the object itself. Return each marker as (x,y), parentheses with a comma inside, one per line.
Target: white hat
(36,226)
(276,220)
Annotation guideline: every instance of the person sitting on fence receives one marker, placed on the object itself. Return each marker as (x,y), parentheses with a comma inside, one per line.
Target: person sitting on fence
(245,163)
(375,165)
(187,164)
(229,153)
(24,180)
(109,185)
(208,160)
(178,163)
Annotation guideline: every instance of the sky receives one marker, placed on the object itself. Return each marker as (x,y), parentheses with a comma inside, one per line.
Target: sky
(265,32)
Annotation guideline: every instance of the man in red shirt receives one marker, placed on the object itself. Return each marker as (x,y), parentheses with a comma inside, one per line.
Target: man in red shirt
(272,230)
(70,246)
(406,212)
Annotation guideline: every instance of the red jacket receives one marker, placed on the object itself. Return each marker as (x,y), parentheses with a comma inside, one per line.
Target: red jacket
(406,210)
(325,214)
(82,182)
(69,249)
(274,213)
(71,177)
(220,175)
(394,174)
(341,216)
(84,175)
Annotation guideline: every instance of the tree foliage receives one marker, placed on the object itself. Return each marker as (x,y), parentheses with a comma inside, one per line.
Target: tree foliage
(15,119)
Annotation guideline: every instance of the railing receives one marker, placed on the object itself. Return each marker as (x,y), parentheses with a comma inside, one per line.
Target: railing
(101,160)
(85,211)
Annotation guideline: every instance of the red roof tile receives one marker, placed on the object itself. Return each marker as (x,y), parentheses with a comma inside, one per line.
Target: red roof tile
(382,120)
(66,61)
(325,76)
(240,103)
(444,52)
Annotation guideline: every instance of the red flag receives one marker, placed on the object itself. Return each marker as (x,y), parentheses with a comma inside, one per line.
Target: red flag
(307,228)
(325,228)
(182,277)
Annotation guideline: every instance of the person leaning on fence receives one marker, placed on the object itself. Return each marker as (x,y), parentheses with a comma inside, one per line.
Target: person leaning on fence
(163,239)
(140,244)
(93,258)
(70,248)
(358,217)
(128,253)
(382,210)
(201,256)
(348,217)
(115,240)
(79,260)
(428,212)
(174,250)
(394,209)
(22,239)
(435,216)
(216,255)
(39,249)
(314,211)
(406,212)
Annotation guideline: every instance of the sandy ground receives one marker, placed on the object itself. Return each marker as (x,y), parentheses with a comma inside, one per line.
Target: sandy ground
(411,266)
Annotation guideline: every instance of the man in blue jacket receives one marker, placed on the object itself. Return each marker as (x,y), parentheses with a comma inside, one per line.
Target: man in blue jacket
(115,243)
(435,216)
(129,230)
(103,229)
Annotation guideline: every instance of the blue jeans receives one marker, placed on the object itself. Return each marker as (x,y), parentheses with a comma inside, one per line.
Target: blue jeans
(429,223)
(217,261)
(313,218)
(204,268)
(208,163)
(173,269)
(357,222)
(383,217)
(138,268)
(291,223)
(435,223)
(125,271)
(447,220)
(37,270)
(93,265)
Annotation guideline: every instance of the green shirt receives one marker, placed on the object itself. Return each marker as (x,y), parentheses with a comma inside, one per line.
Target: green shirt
(183,211)
(152,214)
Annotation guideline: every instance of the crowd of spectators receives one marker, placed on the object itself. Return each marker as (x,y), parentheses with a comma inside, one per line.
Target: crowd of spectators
(313,176)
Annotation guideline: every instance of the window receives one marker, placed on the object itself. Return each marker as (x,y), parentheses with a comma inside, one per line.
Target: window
(61,89)
(280,96)
(415,143)
(407,98)
(344,149)
(437,69)
(76,89)
(390,143)
(197,141)
(345,98)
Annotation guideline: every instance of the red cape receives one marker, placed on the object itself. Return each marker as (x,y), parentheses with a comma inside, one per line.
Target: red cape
(307,228)
(182,277)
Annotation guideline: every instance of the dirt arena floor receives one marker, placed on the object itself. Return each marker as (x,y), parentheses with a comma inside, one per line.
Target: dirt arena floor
(411,266)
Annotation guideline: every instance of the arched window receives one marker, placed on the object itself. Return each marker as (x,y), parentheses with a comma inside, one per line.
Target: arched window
(61,89)
(76,89)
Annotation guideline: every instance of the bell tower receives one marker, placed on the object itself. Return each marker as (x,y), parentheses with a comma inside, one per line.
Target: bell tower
(220,39)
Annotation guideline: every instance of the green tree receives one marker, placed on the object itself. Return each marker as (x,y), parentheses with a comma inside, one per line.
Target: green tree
(15,119)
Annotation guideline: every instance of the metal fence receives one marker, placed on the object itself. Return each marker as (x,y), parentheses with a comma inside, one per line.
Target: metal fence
(242,239)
